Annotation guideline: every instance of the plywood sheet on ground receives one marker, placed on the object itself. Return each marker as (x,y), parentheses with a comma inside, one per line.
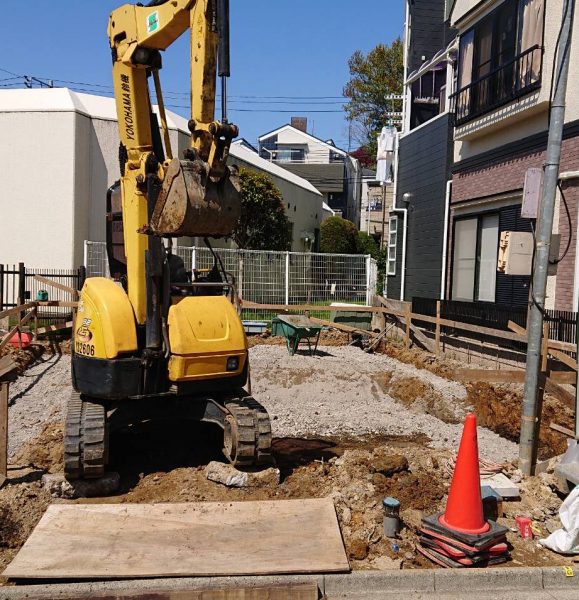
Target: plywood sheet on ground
(113,541)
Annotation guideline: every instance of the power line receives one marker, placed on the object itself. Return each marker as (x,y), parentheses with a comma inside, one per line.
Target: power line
(9,72)
(187,94)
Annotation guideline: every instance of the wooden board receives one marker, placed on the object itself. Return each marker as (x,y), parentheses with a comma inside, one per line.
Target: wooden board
(341,327)
(4,385)
(112,541)
(7,365)
(508,376)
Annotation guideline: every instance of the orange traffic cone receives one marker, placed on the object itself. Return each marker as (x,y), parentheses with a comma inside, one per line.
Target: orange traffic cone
(464,508)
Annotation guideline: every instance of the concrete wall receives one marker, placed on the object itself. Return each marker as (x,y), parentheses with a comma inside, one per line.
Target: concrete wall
(38,183)
(60,155)
(54,201)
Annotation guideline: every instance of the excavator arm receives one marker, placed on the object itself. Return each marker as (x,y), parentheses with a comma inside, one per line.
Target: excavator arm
(163,196)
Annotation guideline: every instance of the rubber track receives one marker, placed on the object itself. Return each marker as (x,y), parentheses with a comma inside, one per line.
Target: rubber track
(72,455)
(85,439)
(254,432)
(263,453)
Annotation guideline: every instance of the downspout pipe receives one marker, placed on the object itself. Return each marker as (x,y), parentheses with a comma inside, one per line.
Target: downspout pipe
(404,213)
(445,240)
(530,418)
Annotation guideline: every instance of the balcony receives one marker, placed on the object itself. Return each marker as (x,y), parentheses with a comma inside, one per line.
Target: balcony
(502,85)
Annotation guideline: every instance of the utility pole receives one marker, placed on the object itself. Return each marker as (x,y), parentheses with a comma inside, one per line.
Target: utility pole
(531,401)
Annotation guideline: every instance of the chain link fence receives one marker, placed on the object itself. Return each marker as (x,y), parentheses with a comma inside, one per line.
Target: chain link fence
(274,277)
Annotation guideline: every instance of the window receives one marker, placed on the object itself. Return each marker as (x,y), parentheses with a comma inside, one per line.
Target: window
(475,258)
(500,58)
(290,155)
(392,241)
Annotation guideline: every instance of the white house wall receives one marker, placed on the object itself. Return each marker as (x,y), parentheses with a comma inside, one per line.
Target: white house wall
(305,208)
(316,152)
(37,153)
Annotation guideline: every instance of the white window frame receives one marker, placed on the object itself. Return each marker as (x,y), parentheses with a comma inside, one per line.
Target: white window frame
(391,258)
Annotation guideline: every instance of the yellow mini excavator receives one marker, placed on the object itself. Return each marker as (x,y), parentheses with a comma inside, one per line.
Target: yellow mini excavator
(156,341)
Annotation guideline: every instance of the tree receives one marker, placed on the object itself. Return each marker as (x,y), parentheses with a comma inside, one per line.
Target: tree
(372,78)
(263,224)
(366,244)
(338,236)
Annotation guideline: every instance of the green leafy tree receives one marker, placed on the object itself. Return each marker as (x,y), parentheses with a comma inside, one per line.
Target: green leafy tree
(263,224)
(372,78)
(366,244)
(338,236)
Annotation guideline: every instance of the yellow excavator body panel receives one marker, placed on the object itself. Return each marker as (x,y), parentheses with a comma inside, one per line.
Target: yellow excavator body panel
(105,322)
(207,339)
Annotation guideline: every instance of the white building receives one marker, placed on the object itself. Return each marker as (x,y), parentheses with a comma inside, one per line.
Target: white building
(332,170)
(59,153)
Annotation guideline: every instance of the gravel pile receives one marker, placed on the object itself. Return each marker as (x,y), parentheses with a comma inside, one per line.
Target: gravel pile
(343,392)
(37,397)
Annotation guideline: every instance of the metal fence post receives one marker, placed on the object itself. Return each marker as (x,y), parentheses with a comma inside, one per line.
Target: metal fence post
(287,266)
(85,254)
(369,293)
(240,279)
(81,277)
(21,283)
(1,287)
(194,259)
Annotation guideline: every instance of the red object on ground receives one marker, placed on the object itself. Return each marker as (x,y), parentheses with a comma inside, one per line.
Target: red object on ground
(524,527)
(26,339)
(464,508)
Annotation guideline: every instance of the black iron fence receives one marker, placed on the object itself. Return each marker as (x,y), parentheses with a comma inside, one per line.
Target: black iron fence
(562,324)
(503,84)
(18,285)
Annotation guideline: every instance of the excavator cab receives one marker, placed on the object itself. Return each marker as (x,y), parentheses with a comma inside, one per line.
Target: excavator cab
(155,340)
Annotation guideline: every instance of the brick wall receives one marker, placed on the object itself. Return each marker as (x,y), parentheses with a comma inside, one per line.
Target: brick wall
(497,177)
(508,175)
(566,268)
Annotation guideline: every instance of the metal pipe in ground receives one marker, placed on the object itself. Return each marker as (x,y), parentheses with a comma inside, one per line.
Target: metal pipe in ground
(530,412)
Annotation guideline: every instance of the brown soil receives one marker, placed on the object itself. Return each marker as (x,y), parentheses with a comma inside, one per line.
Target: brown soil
(331,337)
(409,389)
(165,462)
(419,358)
(46,456)
(24,357)
(499,409)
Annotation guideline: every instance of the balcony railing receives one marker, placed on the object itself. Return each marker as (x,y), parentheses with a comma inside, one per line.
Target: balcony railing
(499,87)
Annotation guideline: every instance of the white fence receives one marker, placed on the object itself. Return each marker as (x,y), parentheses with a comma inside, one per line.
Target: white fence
(275,277)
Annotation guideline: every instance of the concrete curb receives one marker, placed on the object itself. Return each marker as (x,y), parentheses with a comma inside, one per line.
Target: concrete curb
(333,585)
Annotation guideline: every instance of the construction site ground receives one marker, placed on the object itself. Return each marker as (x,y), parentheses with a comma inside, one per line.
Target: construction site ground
(347,424)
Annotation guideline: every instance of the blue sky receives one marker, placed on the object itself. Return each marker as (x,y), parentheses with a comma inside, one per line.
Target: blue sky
(287,48)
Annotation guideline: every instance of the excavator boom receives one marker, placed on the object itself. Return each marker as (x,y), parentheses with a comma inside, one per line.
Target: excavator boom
(196,195)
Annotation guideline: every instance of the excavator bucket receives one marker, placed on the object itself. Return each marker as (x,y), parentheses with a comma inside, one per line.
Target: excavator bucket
(192,204)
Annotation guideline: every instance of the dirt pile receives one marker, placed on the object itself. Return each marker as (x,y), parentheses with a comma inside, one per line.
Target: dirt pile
(24,357)
(499,409)
(419,358)
(22,504)
(328,337)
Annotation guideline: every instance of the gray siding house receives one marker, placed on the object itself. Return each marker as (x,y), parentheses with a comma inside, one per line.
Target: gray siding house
(418,230)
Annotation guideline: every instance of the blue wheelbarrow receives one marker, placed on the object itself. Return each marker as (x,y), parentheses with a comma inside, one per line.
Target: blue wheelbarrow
(297,329)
